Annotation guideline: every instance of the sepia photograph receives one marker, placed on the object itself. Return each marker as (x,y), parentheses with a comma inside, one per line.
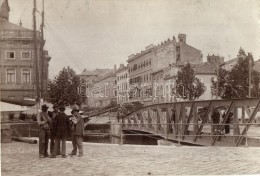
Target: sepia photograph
(130,87)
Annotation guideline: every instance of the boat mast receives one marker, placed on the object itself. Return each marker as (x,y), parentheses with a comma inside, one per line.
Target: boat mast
(36,53)
(42,52)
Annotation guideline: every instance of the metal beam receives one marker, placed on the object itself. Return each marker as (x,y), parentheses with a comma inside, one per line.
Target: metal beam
(186,126)
(220,128)
(248,125)
(203,121)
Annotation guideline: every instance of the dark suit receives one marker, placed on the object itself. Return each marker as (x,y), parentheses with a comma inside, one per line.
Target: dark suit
(61,127)
(52,136)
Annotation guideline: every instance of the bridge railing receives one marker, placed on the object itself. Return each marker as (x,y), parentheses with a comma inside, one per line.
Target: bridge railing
(173,132)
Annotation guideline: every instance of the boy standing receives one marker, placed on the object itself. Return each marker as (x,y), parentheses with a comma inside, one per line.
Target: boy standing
(77,132)
(43,121)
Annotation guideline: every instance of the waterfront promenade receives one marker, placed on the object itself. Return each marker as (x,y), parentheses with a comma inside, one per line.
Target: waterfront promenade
(111,159)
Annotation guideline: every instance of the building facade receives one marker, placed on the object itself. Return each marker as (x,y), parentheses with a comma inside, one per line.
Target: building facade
(122,84)
(153,58)
(103,91)
(18,60)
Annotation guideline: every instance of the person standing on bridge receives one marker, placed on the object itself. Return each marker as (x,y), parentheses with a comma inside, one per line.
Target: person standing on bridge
(77,132)
(61,128)
(216,120)
(43,121)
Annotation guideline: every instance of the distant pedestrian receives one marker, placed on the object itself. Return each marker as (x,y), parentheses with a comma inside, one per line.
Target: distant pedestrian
(52,134)
(61,128)
(227,123)
(77,132)
(44,122)
(216,120)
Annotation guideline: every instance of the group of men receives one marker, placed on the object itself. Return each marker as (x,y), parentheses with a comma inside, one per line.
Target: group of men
(57,128)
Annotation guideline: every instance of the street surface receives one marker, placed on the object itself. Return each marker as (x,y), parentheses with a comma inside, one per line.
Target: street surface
(111,159)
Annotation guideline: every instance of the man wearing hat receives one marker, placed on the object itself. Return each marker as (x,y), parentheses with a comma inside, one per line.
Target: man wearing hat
(61,127)
(43,121)
(52,135)
(77,132)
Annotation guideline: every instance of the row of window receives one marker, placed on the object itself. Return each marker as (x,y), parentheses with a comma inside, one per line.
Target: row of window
(23,43)
(122,86)
(11,75)
(141,65)
(141,79)
(25,55)
(121,77)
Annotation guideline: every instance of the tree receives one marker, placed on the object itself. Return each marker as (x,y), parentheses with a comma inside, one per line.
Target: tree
(63,90)
(235,83)
(188,86)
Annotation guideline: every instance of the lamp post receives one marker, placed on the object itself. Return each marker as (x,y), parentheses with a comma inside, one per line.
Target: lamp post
(217,86)
(250,77)
(217,81)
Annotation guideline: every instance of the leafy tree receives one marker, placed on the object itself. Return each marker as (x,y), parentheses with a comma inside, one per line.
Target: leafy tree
(235,83)
(63,90)
(188,86)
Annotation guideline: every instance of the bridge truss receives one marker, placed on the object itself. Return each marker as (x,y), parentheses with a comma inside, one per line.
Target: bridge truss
(191,121)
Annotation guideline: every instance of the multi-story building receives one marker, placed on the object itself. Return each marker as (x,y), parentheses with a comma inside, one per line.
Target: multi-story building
(154,58)
(103,91)
(88,77)
(17,60)
(122,84)
(164,81)
(205,72)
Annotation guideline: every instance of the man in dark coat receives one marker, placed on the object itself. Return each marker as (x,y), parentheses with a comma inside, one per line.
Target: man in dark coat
(77,132)
(61,127)
(52,135)
(227,123)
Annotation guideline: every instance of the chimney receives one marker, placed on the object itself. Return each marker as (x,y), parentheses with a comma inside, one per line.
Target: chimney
(115,68)
(20,24)
(182,38)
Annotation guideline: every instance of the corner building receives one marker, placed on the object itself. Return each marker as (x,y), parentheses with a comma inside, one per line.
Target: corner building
(17,60)
(153,58)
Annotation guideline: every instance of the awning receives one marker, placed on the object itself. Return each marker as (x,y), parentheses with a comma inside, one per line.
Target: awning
(5,107)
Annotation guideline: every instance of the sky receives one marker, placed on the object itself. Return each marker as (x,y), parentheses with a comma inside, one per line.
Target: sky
(100,33)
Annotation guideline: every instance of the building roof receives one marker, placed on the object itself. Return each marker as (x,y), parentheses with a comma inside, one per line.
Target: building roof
(89,73)
(204,68)
(97,72)
(230,61)
(110,74)
(121,68)
(7,26)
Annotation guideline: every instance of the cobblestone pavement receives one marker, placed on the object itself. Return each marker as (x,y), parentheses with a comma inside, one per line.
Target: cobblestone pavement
(105,159)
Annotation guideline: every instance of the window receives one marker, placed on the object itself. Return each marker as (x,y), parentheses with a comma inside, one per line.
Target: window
(25,55)
(26,75)
(25,43)
(147,63)
(10,55)
(10,75)
(150,62)
(10,44)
